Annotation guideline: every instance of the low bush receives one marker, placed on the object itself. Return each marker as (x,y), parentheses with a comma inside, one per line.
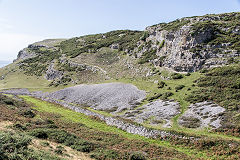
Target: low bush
(147,56)
(137,156)
(166,95)
(27,113)
(144,36)
(101,153)
(220,85)
(162,44)
(179,87)
(63,137)
(156,96)
(191,122)
(176,76)
(14,146)
(188,74)
(161,84)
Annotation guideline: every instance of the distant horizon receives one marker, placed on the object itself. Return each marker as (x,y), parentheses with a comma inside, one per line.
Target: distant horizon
(4,63)
(25,22)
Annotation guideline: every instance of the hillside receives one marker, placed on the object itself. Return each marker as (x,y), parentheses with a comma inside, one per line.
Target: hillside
(173,88)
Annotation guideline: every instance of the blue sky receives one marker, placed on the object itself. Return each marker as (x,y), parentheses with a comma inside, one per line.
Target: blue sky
(26,21)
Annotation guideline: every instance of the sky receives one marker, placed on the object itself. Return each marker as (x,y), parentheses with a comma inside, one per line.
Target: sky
(23,22)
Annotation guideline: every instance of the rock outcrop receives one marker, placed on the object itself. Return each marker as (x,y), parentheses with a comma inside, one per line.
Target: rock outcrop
(159,112)
(25,54)
(190,44)
(203,114)
(52,73)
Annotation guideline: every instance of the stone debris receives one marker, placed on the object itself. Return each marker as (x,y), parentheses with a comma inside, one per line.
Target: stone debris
(112,97)
(203,114)
(16,91)
(157,112)
(52,73)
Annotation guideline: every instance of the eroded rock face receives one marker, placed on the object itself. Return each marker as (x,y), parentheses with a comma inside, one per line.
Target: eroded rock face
(157,112)
(185,48)
(203,114)
(25,54)
(111,97)
(52,73)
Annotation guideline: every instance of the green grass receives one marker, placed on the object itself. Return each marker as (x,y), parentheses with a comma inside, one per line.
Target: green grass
(19,80)
(69,115)
(50,42)
(100,112)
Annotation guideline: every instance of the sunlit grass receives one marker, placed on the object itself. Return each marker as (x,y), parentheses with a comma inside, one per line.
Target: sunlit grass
(69,115)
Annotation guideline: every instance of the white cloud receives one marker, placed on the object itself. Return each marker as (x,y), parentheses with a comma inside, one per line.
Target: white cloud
(12,43)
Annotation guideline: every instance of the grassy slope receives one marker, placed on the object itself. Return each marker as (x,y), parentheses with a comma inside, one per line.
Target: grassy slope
(17,79)
(114,62)
(13,80)
(69,115)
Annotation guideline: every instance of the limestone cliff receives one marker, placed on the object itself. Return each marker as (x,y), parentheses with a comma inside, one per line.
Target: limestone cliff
(190,44)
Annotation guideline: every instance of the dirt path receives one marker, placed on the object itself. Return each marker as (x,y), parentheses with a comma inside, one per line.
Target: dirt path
(4,125)
(68,153)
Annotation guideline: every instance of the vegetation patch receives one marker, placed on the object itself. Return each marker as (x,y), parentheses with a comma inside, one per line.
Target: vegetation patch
(191,122)
(147,56)
(220,85)
(176,76)
(179,87)
(16,146)
(126,39)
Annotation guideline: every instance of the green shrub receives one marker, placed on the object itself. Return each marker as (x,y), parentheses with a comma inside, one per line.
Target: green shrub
(38,65)
(144,36)
(174,25)
(203,71)
(44,144)
(125,38)
(101,153)
(176,76)
(188,74)
(179,87)
(162,44)
(156,96)
(14,146)
(147,56)
(191,122)
(220,85)
(39,133)
(166,95)
(63,137)
(27,113)
(19,126)
(161,84)
(8,101)
(137,156)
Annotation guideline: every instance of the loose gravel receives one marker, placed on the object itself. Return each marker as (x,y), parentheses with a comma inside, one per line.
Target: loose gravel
(112,97)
